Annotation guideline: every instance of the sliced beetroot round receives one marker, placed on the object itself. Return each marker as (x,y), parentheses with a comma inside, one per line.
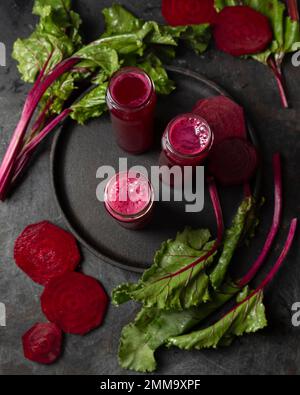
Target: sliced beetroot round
(201,102)
(188,12)
(225,117)
(44,251)
(240,30)
(42,343)
(233,161)
(75,302)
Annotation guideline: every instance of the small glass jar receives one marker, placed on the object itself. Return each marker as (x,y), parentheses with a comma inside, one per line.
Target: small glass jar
(129,199)
(131,99)
(187,141)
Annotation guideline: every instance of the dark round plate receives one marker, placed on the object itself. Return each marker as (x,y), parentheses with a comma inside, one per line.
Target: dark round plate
(77,153)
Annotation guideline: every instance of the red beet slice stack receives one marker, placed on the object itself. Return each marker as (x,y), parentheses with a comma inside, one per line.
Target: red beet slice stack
(240,30)
(42,343)
(75,302)
(44,251)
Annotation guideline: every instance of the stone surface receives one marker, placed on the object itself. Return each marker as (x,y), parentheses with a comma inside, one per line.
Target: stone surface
(273,351)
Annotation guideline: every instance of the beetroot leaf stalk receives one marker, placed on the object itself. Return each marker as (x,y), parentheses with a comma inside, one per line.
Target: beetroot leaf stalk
(293,9)
(39,122)
(276,67)
(283,255)
(220,232)
(275,224)
(42,83)
(27,152)
(270,238)
(275,62)
(276,267)
(19,134)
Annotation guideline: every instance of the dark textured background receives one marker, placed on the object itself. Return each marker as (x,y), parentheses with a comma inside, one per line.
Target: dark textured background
(272,351)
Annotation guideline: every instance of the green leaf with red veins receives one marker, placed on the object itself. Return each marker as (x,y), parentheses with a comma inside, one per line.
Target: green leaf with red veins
(247,317)
(153,327)
(154,68)
(157,289)
(92,105)
(57,33)
(167,286)
(232,239)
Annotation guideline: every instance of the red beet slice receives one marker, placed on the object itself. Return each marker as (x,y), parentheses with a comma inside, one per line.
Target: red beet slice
(241,30)
(42,343)
(224,116)
(233,161)
(44,251)
(188,12)
(75,302)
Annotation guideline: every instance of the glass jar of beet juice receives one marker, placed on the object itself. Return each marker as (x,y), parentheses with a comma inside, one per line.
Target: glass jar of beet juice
(129,199)
(187,141)
(131,99)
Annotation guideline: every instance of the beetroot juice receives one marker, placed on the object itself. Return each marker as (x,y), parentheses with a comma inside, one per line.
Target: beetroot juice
(129,199)
(131,99)
(187,141)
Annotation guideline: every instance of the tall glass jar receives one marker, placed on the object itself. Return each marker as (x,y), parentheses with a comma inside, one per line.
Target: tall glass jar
(131,99)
